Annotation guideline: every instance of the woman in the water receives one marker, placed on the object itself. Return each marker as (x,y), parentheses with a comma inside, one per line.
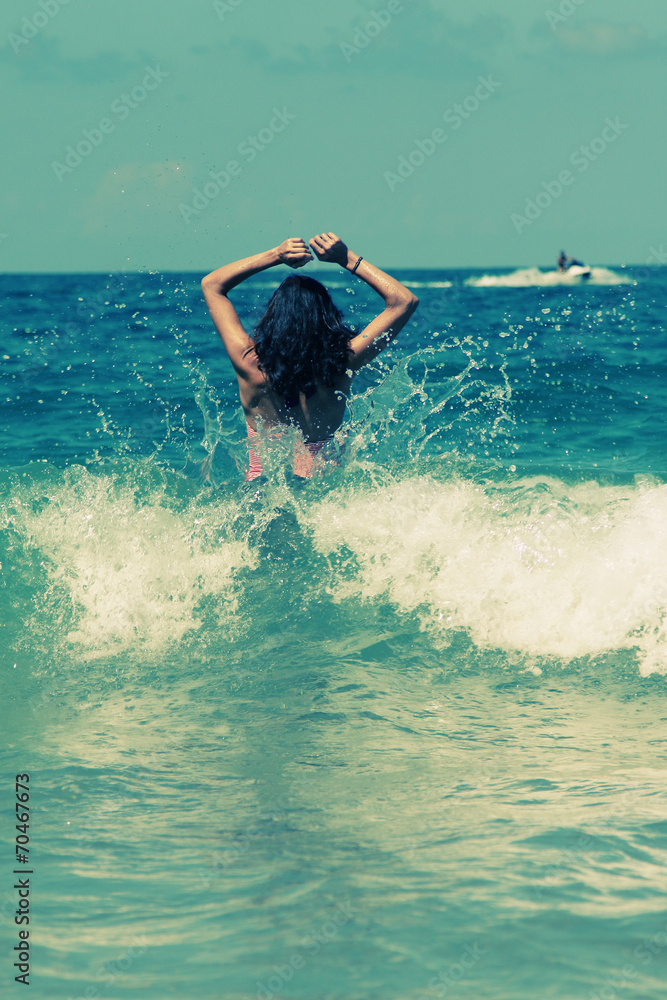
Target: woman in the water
(296,369)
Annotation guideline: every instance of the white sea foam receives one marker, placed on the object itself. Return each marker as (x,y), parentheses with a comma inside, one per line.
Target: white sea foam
(532,277)
(534,567)
(538,567)
(134,569)
(427,284)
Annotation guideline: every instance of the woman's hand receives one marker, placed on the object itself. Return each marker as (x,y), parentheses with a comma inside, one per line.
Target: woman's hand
(294,252)
(329,248)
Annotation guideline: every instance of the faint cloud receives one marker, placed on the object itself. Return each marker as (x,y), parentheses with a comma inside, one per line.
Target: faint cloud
(134,188)
(418,40)
(43,62)
(483,34)
(601,39)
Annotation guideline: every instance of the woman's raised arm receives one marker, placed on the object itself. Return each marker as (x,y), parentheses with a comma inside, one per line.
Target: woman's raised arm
(400,303)
(292,252)
(217,284)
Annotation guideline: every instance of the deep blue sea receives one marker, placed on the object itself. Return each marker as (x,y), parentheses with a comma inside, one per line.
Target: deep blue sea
(398,732)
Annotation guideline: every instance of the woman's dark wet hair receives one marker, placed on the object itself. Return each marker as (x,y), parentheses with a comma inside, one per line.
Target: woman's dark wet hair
(301,338)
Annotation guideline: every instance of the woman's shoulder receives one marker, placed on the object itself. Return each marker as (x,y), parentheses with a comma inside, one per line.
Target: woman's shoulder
(250,371)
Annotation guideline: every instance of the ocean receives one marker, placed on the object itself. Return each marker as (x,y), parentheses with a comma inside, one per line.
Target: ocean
(392,733)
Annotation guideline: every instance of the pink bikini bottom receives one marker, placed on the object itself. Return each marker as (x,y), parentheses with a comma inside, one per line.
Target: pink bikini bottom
(308,456)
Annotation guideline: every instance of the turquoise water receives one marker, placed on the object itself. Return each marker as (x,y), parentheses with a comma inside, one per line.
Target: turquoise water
(395,732)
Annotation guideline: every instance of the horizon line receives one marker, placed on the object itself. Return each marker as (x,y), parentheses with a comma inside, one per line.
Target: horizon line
(388,268)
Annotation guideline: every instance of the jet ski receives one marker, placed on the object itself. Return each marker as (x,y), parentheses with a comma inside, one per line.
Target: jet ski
(569,267)
(578,271)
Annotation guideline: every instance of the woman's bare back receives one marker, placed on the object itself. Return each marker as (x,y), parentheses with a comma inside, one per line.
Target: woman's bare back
(317,414)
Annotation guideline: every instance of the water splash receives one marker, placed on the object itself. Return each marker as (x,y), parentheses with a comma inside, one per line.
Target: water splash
(534,566)
(128,566)
(532,277)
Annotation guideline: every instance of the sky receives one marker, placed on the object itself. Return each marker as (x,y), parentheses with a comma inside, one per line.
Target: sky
(165,136)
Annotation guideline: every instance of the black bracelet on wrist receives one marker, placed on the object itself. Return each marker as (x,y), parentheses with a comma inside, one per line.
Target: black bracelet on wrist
(356,265)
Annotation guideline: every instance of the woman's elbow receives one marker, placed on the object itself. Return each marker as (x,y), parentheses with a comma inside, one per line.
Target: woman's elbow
(406,303)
